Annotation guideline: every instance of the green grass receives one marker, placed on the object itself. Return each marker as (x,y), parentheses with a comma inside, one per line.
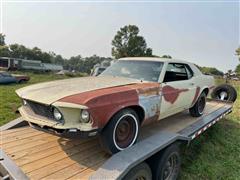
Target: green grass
(213,155)
(9,101)
(216,153)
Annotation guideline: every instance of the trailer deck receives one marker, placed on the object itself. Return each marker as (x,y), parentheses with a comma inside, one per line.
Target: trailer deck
(44,156)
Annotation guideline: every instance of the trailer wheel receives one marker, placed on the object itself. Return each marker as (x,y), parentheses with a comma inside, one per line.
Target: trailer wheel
(139,172)
(199,106)
(166,164)
(121,132)
(224,92)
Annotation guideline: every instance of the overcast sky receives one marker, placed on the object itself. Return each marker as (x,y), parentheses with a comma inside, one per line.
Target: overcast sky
(204,33)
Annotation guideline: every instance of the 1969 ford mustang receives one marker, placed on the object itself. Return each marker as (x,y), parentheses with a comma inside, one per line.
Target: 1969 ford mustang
(129,94)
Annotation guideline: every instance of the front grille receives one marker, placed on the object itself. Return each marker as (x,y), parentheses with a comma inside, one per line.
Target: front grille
(41,109)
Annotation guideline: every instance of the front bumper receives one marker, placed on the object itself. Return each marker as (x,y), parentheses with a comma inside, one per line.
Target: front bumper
(66,133)
(54,127)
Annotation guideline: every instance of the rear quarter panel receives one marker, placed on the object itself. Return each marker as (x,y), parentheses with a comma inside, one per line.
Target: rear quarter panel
(202,81)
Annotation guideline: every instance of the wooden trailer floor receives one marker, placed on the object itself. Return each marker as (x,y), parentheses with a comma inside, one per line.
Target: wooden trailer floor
(44,156)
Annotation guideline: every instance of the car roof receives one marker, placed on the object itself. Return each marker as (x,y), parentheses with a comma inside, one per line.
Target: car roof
(158,59)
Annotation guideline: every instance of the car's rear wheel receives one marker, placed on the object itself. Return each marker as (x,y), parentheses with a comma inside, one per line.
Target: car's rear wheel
(121,132)
(198,108)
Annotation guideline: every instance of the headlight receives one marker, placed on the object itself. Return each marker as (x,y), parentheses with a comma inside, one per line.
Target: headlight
(85,117)
(57,115)
(24,102)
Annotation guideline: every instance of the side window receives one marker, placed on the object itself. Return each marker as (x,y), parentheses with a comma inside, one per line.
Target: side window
(189,71)
(177,72)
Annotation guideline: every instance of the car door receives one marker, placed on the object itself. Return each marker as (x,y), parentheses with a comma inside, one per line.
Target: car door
(178,89)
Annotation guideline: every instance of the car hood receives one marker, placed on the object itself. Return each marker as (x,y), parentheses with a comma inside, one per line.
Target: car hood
(50,92)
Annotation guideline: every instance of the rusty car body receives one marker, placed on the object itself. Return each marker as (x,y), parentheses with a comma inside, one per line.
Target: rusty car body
(129,94)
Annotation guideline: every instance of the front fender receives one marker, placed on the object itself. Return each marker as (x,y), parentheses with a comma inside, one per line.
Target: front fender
(101,115)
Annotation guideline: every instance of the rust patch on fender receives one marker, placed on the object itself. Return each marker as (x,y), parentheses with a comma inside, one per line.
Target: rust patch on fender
(146,89)
(171,94)
(104,103)
(196,95)
(150,120)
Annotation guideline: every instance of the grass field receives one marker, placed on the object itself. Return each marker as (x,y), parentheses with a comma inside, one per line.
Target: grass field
(214,155)
(9,101)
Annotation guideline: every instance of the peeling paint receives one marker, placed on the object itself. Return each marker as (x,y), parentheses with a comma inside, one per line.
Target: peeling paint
(104,103)
(196,95)
(151,105)
(171,94)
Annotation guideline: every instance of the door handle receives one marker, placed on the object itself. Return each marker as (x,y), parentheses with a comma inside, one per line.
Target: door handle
(192,84)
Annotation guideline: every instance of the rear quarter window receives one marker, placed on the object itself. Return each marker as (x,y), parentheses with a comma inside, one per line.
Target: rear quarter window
(178,72)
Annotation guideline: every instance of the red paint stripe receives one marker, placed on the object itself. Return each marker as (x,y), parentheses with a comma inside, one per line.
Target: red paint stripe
(196,95)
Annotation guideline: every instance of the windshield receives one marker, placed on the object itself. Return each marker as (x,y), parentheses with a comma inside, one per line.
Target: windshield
(142,70)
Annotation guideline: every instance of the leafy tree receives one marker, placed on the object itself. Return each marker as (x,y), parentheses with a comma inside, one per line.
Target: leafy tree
(4,51)
(74,63)
(127,43)
(167,56)
(89,62)
(22,52)
(237,70)
(211,70)
(85,65)
(238,52)
(58,59)
(2,39)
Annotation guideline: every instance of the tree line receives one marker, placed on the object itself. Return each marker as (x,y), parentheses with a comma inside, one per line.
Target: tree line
(211,71)
(77,63)
(126,43)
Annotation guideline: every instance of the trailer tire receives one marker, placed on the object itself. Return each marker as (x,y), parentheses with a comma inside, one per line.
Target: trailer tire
(166,164)
(229,92)
(121,132)
(141,171)
(198,108)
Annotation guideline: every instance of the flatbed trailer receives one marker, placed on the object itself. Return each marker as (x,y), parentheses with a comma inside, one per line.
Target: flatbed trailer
(27,153)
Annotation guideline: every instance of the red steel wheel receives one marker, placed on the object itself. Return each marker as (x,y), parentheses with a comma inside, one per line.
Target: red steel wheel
(125,131)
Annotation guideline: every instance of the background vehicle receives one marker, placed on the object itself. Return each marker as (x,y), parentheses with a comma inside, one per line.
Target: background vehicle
(98,70)
(8,63)
(6,78)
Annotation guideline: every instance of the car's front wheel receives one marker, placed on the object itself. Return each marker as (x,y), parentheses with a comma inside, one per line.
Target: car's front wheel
(198,108)
(121,132)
